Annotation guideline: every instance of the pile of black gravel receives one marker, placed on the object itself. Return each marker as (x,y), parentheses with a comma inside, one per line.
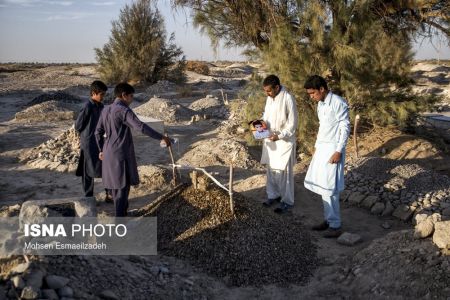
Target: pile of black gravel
(257,247)
(56,96)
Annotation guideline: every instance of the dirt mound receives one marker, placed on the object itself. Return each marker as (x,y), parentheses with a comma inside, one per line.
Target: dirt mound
(211,106)
(152,178)
(60,154)
(56,96)
(254,248)
(48,111)
(377,270)
(220,152)
(164,109)
(161,87)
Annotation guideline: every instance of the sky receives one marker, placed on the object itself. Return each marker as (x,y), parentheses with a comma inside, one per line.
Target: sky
(69,30)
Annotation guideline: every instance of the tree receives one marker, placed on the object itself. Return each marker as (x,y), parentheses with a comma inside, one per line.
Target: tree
(362,47)
(138,48)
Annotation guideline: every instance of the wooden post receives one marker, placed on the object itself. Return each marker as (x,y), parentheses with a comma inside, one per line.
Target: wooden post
(230,187)
(194,179)
(355,139)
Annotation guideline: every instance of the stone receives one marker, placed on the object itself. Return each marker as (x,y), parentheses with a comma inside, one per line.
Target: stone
(386,225)
(108,295)
(50,294)
(35,211)
(344,195)
(65,292)
(377,208)
(154,270)
(369,202)
(424,229)
(441,236)
(388,209)
(420,217)
(18,282)
(349,239)
(164,270)
(20,268)
(56,282)
(446,212)
(29,293)
(35,279)
(403,212)
(356,198)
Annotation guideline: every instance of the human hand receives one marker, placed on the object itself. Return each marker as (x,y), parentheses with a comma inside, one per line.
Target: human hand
(100,155)
(166,140)
(274,137)
(335,158)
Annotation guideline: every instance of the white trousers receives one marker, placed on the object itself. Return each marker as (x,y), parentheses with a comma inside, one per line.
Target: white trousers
(280,183)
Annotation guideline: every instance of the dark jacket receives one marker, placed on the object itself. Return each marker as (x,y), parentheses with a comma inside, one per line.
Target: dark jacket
(85,124)
(113,135)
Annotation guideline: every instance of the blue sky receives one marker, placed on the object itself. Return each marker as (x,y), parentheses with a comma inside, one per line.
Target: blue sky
(69,30)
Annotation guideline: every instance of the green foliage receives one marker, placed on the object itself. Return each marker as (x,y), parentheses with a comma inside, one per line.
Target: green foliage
(138,49)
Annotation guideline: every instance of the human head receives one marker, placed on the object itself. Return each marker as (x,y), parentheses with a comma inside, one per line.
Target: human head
(125,92)
(316,87)
(271,85)
(98,90)
(258,125)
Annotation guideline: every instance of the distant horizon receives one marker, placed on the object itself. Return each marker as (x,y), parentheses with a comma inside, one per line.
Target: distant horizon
(46,31)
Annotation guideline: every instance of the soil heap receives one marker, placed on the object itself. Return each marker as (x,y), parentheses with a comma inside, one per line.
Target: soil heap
(164,109)
(48,111)
(254,248)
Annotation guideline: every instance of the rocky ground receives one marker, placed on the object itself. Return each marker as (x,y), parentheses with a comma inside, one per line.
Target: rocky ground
(395,208)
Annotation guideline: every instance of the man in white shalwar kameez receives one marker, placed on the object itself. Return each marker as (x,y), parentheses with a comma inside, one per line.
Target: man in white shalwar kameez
(278,153)
(325,174)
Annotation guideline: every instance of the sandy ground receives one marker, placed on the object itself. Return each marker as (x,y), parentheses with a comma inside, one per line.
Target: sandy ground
(332,279)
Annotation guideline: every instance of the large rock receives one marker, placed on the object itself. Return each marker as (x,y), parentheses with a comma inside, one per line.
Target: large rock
(424,229)
(377,208)
(356,198)
(441,236)
(50,294)
(369,201)
(56,282)
(36,211)
(349,239)
(403,212)
(388,209)
(30,293)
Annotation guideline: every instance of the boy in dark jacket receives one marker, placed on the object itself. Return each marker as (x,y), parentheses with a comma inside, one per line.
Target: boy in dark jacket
(89,165)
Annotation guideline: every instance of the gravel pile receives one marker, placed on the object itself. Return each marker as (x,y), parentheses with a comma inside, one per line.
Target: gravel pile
(397,265)
(161,87)
(48,111)
(56,96)
(99,277)
(218,152)
(166,110)
(211,106)
(396,187)
(255,248)
(60,154)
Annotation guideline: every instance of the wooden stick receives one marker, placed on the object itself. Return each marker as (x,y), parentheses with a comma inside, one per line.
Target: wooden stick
(355,139)
(230,191)
(194,179)
(174,173)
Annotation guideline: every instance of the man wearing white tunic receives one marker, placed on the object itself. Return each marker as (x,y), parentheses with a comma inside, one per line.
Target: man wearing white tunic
(278,153)
(325,174)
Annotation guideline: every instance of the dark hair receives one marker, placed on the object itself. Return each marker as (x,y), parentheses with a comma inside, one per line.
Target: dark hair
(121,88)
(98,86)
(271,80)
(315,82)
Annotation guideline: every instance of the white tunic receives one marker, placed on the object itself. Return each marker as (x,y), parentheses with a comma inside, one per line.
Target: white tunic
(325,178)
(281,117)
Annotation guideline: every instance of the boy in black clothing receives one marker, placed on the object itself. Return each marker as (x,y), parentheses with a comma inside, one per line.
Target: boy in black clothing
(89,165)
